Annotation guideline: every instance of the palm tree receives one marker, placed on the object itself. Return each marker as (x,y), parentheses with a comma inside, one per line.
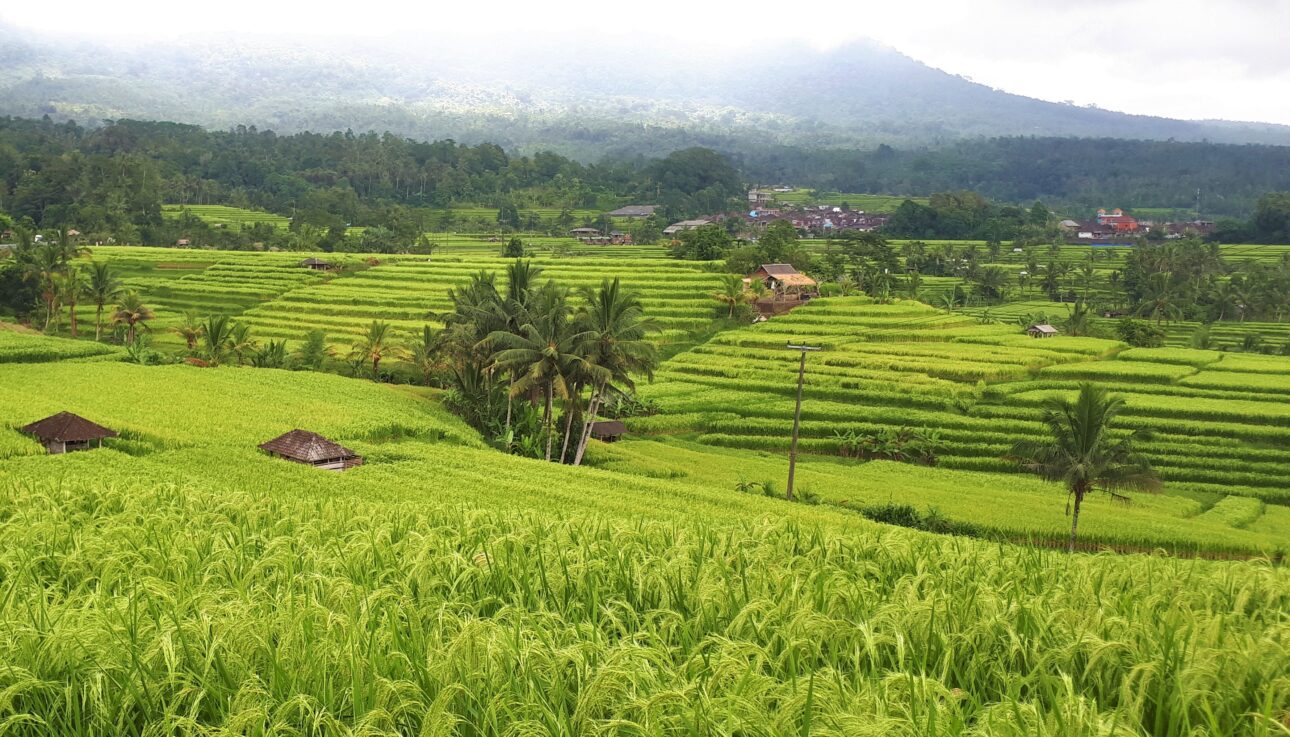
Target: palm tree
(373,346)
(132,312)
(1079,322)
(102,289)
(1082,454)
(190,330)
(733,293)
(614,328)
(1158,299)
(216,338)
(240,341)
(543,352)
(71,285)
(43,266)
(990,282)
(425,354)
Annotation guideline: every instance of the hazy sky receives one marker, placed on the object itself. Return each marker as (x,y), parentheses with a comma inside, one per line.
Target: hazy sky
(1176,58)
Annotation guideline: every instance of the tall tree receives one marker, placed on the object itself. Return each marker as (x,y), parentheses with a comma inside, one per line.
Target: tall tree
(1083,454)
(614,328)
(132,312)
(103,287)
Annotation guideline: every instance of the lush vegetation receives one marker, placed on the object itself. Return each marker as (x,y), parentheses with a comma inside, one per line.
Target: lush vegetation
(112,183)
(438,588)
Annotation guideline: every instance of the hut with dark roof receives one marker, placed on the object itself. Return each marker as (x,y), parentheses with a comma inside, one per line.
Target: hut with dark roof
(608,430)
(66,432)
(312,449)
(315,264)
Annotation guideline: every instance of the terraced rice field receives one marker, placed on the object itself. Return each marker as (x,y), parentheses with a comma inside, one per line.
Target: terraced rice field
(226,216)
(1220,422)
(445,587)
(407,293)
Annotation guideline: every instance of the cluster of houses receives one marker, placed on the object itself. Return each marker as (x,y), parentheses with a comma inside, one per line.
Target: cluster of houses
(1116,226)
(811,220)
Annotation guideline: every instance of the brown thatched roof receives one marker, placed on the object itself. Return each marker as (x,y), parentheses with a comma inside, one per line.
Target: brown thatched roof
(306,447)
(607,428)
(66,427)
(779,270)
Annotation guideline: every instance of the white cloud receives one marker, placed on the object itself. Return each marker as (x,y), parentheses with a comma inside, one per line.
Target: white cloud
(1177,58)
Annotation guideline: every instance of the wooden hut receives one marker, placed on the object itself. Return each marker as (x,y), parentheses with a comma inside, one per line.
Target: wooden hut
(312,449)
(1041,330)
(784,279)
(315,264)
(66,432)
(608,430)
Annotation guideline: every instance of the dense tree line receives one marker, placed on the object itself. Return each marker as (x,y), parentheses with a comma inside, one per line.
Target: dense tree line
(111,181)
(1071,174)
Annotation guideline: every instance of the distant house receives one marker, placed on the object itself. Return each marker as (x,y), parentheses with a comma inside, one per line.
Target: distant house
(1117,221)
(312,449)
(315,264)
(608,430)
(1041,330)
(1068,225)
(757,197)
(633,211)
(183,243)
(684,225)
(584,232)
(783,279)
(66,432)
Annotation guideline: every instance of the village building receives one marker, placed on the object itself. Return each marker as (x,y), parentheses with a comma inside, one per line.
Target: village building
(1117,221)
(595,237)
(633,211)
(66,433)
(784,279)
(684,225)
(183,243)
(315,264)
(312,449)
(1041,330)
(788,287)
(759,198)
(610,431)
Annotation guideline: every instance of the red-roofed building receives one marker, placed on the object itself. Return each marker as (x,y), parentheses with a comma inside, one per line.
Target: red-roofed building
(1117,220)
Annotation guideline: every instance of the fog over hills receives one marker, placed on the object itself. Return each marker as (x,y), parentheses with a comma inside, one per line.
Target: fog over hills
(586,97)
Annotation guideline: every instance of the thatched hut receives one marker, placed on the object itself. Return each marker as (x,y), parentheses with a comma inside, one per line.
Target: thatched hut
(66,433)
(312,449)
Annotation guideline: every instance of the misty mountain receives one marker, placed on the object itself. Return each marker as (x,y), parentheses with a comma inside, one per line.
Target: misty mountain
(583,97)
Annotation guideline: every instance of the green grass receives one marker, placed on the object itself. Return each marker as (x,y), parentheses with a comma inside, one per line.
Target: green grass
(225,216)
(181,582)
(856,201)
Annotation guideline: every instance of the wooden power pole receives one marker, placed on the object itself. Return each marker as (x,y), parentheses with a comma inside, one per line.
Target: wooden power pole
(797,414)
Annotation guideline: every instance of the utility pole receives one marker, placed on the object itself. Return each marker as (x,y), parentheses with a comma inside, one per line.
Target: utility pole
(797,414)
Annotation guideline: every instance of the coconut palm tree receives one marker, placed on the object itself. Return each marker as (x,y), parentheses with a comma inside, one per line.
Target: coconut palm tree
(1158,299)
(373,346)
(543,352)
(733,293)
(190,330)
(614,329)
(1082,453)
(103,287)
(71,286)
(216,339)
(133,313)
(43,264)
(241,343)
(426,354)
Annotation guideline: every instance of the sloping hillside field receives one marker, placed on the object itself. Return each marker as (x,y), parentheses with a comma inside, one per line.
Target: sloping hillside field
(178,581)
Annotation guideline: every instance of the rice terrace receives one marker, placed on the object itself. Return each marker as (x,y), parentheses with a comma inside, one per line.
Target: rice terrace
(658,416)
